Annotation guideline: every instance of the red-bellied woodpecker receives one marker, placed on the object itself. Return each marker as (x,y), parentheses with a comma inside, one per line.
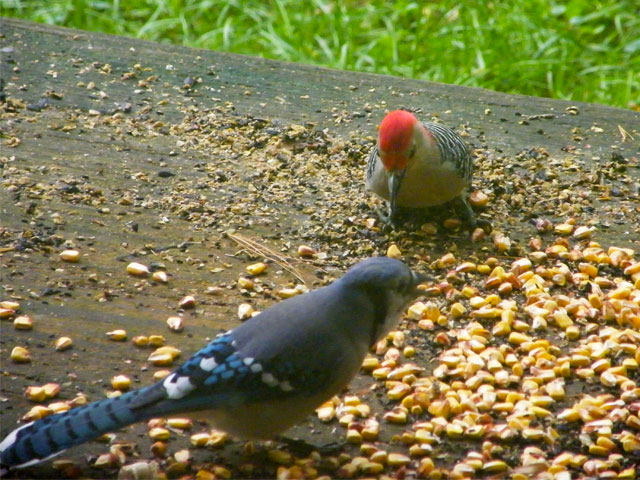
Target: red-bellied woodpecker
(419,165)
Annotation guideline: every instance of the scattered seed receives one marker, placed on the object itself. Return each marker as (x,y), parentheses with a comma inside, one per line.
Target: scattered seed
(160,374)
(117,335)
(175,324)
(71,256)
(140,341)
(394,252)
(187,302)
(159,433)
(217,438)
(305,251)
(156,340)
(63,343)
(398,459)
(51,390)
(478,199)
(35,394)
(256,268)
(121,383)
(36,413)
(10,305)
(245,311)
(137,269)
(139,470)
(181,423)
(160,276)
(20,355)
(199,439)
(23,322)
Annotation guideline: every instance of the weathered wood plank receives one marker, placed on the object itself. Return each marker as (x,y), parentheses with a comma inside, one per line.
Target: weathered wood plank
(194,162)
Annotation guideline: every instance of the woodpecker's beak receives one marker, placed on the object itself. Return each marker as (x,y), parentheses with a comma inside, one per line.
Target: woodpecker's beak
(394,187)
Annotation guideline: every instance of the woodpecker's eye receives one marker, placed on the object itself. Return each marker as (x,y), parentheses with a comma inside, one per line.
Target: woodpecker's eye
(412,152)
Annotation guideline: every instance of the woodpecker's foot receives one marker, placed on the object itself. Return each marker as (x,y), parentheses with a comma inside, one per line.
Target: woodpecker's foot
(485,225)
(469,217)
(387,219)
(302,448)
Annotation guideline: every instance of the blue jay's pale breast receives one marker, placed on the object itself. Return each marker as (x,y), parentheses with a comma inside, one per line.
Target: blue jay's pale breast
(262,420)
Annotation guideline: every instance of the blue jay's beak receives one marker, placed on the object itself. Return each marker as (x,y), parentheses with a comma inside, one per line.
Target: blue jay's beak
(394,187)
(418,278)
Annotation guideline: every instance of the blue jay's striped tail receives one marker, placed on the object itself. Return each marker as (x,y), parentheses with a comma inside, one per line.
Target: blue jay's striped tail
(45,438)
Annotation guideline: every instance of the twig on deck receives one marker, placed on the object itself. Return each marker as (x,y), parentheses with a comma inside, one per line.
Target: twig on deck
(263,251)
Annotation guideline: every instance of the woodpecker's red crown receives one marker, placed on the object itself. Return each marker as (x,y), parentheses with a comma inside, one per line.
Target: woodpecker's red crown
(394,138)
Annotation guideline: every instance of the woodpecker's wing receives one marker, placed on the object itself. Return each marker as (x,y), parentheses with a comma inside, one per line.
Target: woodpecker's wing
(452,148)
(371,163)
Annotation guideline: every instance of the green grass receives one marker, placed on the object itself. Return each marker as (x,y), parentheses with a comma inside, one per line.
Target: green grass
(587,50)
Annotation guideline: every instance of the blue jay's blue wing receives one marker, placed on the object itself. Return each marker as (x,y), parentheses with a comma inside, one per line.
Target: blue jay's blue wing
(223,372)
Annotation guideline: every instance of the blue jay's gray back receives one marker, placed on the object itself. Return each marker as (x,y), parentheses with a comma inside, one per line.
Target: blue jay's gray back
(257,380)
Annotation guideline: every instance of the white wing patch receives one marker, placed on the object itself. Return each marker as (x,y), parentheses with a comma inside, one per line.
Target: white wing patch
(178,388)
(286,386)
(256,368)
(208,364)
(272,381)
(269,379)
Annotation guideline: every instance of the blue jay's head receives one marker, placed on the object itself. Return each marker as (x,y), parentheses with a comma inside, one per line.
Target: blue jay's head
(389,285)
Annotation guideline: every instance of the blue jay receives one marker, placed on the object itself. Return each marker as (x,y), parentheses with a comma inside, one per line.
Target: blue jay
(257,380)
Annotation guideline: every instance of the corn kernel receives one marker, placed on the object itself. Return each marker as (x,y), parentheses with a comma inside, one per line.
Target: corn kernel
(121,382)
(181,423)
(175,324)
(36,413)
(117,335)
(23,322)
(159,433)
(397,459)
(394,252)
(35,394)
(256,268)
(187,302)
(20,355)
(160,276)
(140,341)
(70,256)
(156,340)
(137,269)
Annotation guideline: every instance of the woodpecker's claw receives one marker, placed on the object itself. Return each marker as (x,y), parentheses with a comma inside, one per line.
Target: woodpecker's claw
(469,216)
(386,219)
(485,225)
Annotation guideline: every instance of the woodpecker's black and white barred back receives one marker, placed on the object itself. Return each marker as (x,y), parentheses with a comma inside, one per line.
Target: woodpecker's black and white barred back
(255,381)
